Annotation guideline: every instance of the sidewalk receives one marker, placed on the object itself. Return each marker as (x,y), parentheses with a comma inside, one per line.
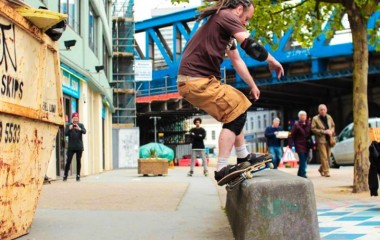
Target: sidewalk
(120,204)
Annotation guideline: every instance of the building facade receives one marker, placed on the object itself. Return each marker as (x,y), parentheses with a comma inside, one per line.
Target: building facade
(85,61)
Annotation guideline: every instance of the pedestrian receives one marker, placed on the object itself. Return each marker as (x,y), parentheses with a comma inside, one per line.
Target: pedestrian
(299,137)
(323,127)
(197,135)
(74,131)
(274,142)
(199,75)
(374,168)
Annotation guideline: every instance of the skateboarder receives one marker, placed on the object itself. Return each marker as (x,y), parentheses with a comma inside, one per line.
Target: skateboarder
(199,75)
(197,135)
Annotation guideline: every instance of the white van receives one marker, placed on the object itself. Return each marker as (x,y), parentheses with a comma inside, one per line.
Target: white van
(343,152)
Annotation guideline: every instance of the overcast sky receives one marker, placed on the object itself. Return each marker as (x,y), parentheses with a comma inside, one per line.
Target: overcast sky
(143,8)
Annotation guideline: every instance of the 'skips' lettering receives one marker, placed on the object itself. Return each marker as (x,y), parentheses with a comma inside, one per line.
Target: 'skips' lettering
(11,87)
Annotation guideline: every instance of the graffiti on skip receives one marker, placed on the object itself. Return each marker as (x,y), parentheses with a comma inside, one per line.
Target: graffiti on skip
(273,208)
(6,55)
(10,86)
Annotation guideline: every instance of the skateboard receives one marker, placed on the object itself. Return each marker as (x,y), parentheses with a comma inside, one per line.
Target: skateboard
(235,178)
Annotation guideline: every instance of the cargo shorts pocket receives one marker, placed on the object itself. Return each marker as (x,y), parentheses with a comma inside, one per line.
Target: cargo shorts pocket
(226,103)
(183,89)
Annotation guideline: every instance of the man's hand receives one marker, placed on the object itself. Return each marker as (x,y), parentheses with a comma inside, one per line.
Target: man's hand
(76,126)
(328,132)
(274,65)
(255,93)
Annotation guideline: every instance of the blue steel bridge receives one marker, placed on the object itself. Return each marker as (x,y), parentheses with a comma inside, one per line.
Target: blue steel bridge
(321,74)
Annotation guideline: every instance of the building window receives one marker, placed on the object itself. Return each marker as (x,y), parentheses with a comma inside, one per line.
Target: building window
(105,58)
(265,120)
(252,123)
(259,122)
(72,9)
(92,30)
(246,126)
(106,7)
(272,116)
(213,136)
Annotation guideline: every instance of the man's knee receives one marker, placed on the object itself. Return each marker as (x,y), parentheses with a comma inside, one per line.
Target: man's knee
(237,125)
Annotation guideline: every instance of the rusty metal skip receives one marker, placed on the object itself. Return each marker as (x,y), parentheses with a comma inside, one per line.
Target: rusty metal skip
(30,114)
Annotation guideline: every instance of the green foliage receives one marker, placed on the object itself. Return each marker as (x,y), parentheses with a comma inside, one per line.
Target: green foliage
(374,35)
(307,18)
(179,1)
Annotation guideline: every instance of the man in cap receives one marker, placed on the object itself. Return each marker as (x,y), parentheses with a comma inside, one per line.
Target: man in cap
(74,132)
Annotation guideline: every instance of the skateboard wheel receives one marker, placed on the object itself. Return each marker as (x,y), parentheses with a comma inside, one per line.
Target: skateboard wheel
(229,188)
(248,175)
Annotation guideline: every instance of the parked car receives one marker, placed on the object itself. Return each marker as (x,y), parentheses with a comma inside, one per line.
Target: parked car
(343,152)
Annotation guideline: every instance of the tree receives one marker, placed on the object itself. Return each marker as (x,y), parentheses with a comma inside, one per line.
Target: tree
(307,19)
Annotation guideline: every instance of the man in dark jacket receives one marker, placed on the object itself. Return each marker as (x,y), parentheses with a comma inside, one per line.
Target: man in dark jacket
(197,135)
(273,142)
(299,136)
(74,132)
(374,168)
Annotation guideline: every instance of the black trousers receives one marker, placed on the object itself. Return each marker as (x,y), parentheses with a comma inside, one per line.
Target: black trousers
(374,168)
(70,154)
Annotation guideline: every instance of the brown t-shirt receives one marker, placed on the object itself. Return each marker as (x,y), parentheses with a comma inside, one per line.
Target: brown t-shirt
(205,51)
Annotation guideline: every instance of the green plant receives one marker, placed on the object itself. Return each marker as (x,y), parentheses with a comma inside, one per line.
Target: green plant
(153,153)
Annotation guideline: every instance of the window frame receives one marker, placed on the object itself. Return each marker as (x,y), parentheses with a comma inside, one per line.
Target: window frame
(73,20)
(92,30)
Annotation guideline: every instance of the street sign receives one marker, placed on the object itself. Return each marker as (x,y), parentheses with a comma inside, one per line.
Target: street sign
(143,70)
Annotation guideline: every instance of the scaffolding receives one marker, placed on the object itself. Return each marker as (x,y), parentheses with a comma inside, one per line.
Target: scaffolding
(123,81)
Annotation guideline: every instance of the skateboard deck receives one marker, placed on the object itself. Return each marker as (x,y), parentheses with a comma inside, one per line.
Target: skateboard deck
(235,178)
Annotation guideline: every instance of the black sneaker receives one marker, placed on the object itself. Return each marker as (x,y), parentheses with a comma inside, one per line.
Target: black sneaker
(190,173)
(229,169)
(205,172)
(64,178)
(78,178)
(253,158)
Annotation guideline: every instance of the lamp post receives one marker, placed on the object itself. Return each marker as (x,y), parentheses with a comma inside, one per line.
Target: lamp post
(155,126)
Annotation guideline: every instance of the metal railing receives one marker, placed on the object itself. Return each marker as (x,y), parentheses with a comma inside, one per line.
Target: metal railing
(155,90)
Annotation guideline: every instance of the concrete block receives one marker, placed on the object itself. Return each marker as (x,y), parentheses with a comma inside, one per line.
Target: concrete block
(273,205)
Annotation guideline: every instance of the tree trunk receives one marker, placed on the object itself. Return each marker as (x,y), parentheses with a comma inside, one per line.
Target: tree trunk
(358,26)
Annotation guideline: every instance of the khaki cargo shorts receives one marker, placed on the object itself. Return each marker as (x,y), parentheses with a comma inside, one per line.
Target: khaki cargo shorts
(223,102)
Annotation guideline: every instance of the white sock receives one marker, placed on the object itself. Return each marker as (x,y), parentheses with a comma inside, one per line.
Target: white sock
(222,162)
(241,152)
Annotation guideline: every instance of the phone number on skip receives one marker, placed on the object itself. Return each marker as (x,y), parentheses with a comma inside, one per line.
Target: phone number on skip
(9,132)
